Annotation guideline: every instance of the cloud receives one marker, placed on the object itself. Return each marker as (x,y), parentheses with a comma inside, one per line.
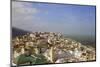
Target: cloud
(38,17)
(23,15)
(23,8)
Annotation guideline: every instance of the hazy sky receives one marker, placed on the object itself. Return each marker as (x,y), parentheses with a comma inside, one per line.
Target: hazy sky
(67,19)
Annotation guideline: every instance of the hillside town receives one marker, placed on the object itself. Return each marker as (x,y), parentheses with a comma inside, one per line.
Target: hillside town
(48,48)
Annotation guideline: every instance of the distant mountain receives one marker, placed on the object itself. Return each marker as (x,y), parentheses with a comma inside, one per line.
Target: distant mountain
(17,32)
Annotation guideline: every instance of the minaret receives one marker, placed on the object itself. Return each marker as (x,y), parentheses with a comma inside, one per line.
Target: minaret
(22,50)
(51,54)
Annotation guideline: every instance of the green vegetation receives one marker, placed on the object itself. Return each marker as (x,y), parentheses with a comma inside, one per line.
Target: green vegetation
(36,59)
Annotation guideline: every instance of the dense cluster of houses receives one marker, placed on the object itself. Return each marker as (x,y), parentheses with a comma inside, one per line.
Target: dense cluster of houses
(53,46)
